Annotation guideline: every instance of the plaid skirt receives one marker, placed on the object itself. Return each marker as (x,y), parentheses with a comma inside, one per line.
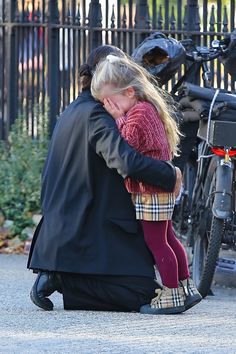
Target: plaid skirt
(154,207)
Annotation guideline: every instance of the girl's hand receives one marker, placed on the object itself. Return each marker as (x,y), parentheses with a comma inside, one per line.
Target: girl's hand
(178,182)
(112,108)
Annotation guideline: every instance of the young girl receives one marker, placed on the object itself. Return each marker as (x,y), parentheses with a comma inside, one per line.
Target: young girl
(144,120)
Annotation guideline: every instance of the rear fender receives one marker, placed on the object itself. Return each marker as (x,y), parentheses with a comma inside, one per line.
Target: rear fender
(222,205)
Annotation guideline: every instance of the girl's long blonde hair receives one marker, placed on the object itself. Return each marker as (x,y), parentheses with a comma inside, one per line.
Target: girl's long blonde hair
(123,73)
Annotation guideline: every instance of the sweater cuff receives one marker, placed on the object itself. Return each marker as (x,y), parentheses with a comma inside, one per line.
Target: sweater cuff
(120,121)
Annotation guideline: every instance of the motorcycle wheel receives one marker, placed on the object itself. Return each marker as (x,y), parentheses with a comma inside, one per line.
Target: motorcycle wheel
(206,252)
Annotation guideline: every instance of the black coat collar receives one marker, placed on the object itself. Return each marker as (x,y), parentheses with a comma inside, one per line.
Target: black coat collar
(86,93)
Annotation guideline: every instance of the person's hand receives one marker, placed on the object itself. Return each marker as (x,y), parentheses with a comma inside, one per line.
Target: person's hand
(112,108)
(178,182)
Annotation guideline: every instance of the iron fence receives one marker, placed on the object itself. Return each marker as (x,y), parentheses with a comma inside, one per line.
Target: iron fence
(43,43)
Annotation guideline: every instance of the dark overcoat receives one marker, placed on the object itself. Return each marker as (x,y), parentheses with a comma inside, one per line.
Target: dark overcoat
(88,223)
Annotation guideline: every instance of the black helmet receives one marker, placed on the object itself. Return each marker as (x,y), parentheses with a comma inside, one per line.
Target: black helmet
(160,55)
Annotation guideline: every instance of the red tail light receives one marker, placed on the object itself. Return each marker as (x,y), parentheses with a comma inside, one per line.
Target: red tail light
(221,152)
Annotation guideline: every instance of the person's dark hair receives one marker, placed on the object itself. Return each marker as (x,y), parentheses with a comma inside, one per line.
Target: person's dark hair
(87,69)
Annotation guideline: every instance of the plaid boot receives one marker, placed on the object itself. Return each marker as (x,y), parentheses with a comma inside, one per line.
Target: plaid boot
(193,297)
(167,301)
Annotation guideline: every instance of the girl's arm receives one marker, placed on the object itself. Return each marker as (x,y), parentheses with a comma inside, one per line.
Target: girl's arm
(105,138)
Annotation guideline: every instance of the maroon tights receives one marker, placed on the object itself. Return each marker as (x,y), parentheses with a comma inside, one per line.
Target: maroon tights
(167,250)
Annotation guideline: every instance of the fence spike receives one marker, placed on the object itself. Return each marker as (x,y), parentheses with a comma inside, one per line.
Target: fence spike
(148,19)
(172,19)
(78,16)
(160,19)
(56,14)
(68,19)
(113,18)
(154,14)
(225,21)
(37,14)
(185,19)
(142,17)
(95,21)
(212,19)
(95,14)
(124,18)
(22,14)
(197,20)
(73,7)
(17,13)
(26,13)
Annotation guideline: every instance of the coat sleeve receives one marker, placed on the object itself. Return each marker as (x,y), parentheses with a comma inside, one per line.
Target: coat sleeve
(106,140)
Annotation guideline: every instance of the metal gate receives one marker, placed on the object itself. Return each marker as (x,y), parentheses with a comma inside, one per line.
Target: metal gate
(43,43)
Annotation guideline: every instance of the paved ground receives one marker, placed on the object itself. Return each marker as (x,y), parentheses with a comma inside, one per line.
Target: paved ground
(209,327)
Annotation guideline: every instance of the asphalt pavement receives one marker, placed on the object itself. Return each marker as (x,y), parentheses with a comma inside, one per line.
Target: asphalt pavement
(209,327)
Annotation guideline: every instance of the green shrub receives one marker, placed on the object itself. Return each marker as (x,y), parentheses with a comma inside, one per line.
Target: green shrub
(21,163)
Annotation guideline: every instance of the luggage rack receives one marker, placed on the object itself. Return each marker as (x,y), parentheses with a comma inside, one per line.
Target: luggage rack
(216,132)
(221,133)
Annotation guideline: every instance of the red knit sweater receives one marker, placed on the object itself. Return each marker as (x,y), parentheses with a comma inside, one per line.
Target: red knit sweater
(143,129)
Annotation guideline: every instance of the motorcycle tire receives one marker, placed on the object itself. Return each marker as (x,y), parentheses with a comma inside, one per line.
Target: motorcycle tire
(206,253)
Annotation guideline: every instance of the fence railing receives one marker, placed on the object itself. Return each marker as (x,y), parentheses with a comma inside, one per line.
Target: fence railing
(43,43)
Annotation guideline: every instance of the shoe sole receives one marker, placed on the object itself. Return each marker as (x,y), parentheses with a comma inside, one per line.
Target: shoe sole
(45,303)
(148,310)
(192,301)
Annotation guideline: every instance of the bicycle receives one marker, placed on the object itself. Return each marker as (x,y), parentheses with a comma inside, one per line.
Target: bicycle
(208,204)
(208,190)
(193,110)
(212,218)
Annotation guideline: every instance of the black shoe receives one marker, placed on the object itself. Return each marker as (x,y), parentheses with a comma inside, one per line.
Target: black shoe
(45,284)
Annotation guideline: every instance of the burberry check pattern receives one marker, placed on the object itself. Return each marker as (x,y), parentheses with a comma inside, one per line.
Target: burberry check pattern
(153,207)
(168,298)
(192,290)
(193,296)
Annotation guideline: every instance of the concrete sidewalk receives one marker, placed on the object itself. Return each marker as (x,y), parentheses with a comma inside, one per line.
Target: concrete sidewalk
(209,327)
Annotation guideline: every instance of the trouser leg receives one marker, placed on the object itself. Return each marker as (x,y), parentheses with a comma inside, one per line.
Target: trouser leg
(106,293)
